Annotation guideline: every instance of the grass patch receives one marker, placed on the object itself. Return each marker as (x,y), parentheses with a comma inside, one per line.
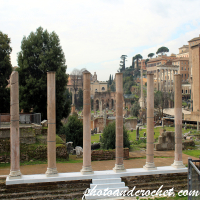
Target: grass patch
(95,138)
(194,153)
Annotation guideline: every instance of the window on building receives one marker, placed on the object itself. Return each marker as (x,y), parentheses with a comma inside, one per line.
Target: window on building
(185,76)
(96,90)
(182,91)
(182,68)
(182,75)
(186,91)
(103,88)
(185,68)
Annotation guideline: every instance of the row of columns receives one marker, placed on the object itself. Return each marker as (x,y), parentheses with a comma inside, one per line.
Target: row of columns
(51,117)
(160,74)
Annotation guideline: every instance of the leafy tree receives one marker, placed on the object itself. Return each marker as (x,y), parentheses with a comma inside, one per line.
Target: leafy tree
(162,50)
(73,131)
(137,57)
(80,99)
(146,61)
(150,55)
(133,62)
(135,109)
(5,71)
(41,52)
(122,62)
(109,135)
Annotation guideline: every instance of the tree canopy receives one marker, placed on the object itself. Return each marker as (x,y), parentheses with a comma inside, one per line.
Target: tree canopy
(137,57)
(41,52)
(122,62)
(5,71)
(162,50)
(150,55)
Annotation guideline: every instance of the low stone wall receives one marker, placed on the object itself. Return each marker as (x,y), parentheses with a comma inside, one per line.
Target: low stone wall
(4,117)
(39,152)
(98,155)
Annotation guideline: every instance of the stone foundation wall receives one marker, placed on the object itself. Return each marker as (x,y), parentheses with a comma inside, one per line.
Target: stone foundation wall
(4,117)
(130,123)
(98,155)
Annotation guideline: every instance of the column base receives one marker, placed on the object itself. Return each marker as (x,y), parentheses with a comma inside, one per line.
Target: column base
(51,172)
(119,168)
(86,170)
(149,166)
(15,174)
(178,164)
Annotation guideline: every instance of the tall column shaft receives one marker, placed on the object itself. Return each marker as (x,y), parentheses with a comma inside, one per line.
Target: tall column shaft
(73,96)
(87,168)
(51,118)
(170,73)
(160,80)
(14,127)
(157,79)
(167,81)
(150,124)
(163,79)
(178,122)
(119,166)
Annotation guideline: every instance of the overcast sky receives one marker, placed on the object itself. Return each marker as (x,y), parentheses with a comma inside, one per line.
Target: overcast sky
(95,33)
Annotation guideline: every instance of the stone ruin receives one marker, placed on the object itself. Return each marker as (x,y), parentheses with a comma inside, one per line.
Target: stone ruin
(165,142)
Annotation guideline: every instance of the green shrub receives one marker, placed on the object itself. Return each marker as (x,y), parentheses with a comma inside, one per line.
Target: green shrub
(108,137)
(73,131)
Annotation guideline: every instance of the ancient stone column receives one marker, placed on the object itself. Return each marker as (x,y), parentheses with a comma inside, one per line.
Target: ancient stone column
(51,118)
(167,80)
(178,163)
(119,166)
(160,80)
(150,124)
(157,79)
(14,127)
(101,107)
(170,73)
(141,97)
(173,81)
(163,79)
(86,168)
(197,125)
(73,97)
(104,118)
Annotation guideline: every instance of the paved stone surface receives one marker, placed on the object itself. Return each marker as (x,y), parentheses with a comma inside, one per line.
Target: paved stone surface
(102,165)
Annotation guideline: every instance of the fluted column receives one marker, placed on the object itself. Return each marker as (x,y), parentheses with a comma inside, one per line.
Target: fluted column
(160,79)
(14,127)
(87,168)
(150,124)
(178,163)
(163,79)
(119,166)
(173,81)
(51,118)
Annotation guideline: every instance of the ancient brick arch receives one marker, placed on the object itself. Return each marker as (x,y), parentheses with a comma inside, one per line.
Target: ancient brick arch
(108,100)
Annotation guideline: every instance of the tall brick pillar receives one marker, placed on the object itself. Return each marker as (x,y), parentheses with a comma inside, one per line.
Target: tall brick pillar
(51,118)
(178,163)
(150,124)
(86,168)
(14,127)
(119,166)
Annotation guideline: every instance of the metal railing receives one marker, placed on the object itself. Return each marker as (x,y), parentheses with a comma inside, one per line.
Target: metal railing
(23,119)
(193,179)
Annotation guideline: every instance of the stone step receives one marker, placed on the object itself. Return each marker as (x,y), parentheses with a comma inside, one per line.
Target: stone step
(108,180)
(39,193)
(107,185)
(88,196)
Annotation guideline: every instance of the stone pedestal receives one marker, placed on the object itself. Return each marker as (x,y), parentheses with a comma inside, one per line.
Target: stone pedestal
(150,124)
(119,166)
(87,168)
(14,127)
(178,163)
(51,118)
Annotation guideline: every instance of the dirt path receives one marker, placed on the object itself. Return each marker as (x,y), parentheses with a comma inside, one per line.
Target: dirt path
(102,165)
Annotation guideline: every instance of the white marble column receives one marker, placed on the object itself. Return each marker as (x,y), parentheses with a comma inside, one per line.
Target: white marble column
(167,80)
(170,73)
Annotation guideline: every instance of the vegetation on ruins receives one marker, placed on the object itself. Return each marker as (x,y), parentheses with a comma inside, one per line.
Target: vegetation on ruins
(41,52)
(5,71)
(73,131)
(162,50)
(108,137)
